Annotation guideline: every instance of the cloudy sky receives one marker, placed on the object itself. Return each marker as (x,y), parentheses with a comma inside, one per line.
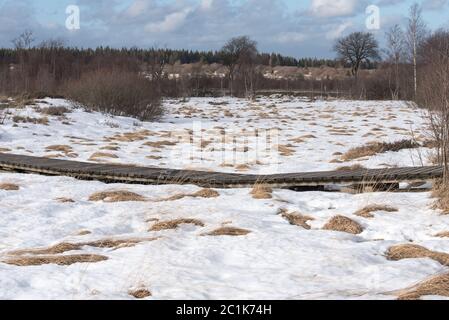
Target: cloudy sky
(293,27)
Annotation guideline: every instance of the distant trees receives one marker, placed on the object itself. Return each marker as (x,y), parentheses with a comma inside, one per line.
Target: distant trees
(357,48)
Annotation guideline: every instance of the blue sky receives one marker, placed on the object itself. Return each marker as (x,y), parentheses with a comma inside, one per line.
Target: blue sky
(292,27)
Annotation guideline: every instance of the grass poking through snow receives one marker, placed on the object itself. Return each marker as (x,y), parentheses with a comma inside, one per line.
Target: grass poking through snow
(343,224)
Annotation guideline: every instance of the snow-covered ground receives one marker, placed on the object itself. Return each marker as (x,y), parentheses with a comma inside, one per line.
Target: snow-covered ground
(276,260)
(224,137)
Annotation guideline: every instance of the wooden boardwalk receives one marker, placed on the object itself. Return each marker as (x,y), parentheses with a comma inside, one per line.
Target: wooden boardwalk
(156,176)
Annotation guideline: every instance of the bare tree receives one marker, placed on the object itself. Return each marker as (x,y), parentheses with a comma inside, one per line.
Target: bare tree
(357,48)
(416,33)
(395,54)
(157,60)
(24,41)
(434,92)
(238,53)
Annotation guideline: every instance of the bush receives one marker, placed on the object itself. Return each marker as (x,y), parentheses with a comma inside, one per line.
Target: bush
(121,93)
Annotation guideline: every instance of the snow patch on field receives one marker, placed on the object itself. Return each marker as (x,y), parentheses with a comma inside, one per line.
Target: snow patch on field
(276,260)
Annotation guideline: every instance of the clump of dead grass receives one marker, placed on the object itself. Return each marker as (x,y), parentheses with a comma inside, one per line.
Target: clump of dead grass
(20,119)
(296,219)
(206,193)
(441,193)
(117,196)
(262,191)
(434,286)
(55,111)
(343,224)
(412,251)
(366,212)
(99,155)
(66,246)
(59,148)
(56,249)
(285,150)
(65,200)
(203,193)
(140,293)
(443,234)
(373,148)
(228,231)
(9,187)
(174,224)
(159,144)
(24,261)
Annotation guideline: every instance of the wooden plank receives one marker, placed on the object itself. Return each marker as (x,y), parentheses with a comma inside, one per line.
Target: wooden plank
(151,175)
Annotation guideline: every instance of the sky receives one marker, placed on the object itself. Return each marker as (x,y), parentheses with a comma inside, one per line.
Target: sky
(299,28)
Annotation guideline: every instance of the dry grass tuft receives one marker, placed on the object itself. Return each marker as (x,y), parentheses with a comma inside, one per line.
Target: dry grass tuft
(441,193)
(59,148)
(296,219)
(99,155)
(20,119)
(229,231)
(66,246)
(343,224)
(9,187)
(55,111)
(159,144)
(117,196)
(59,260)
(261,191)
(366,212)
(373,148)
(116,243)
(140,293)
(131,136)
(412,251)
(65,200)
(206,193)
(434,286)
(174,224)
(56,249)
(285,150)
(444,234)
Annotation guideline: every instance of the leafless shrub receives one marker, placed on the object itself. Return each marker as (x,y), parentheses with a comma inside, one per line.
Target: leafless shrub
(433,93)
(120,93)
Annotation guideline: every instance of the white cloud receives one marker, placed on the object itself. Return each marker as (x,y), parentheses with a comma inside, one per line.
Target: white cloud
(206,4)
(171,22)
(434,4)
(332,8)
(137,8)
(338,31)
(290,37)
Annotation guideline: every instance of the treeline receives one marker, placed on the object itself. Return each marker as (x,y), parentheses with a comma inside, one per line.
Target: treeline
(178,56)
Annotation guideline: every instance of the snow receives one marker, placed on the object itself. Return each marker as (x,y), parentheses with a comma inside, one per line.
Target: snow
(275,261)
(355,122)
